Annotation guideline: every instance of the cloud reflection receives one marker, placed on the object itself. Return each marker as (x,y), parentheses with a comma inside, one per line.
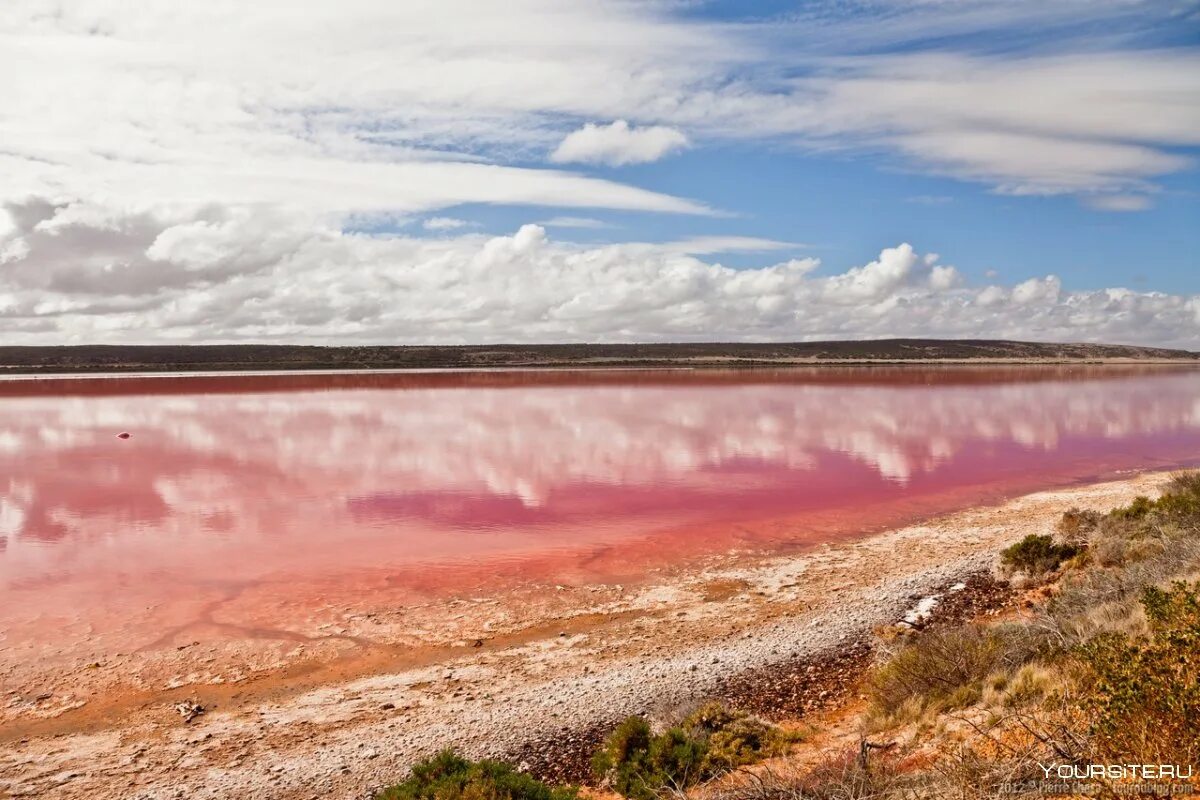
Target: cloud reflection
(318,464)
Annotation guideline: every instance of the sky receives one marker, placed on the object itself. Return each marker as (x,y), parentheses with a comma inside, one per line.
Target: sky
(464,171)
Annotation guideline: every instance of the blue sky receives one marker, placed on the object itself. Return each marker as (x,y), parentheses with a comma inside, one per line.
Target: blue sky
(844,206)
(844,209)
(461,171)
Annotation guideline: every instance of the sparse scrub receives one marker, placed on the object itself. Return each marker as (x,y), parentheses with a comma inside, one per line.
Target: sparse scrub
(1036,554)
(1144,544)
(944,669)
(448,776)
(640,765)
(711,740)
(1077,524)
(1030,684)
(844,777)
(1106,671)
(1138,509)
(1145,695)
(1114,677)
(1180,500)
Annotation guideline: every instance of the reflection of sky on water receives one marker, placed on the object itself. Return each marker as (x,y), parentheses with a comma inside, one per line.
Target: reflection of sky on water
(204,472)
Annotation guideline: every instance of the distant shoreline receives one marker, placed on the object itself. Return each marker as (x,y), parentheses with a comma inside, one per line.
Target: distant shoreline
(633,366)
(252,358)
(141,371)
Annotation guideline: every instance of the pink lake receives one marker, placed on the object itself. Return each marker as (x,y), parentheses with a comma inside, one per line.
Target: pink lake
(320,486)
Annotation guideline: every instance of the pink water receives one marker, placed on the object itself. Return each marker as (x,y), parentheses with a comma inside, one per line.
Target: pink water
(438,483)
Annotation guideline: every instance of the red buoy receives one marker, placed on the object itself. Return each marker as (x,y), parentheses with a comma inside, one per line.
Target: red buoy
(122,435)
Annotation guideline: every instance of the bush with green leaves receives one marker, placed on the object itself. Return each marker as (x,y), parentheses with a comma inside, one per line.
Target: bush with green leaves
(448,776)
(1179,504)
(1036,554)
(734,738)
(1180,500)
(1139,508)
(641,765)
(1145,692)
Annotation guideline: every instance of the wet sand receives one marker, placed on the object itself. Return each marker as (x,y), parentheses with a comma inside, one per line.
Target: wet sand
(343,703)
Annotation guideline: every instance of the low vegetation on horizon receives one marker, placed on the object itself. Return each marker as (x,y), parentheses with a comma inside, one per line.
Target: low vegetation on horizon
(172,358)
(1101,667)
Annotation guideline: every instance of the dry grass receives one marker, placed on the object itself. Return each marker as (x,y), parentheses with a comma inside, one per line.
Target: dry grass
(1107,669)
(945,669)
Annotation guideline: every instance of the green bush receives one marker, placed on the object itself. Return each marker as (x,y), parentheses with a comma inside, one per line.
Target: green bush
(447,776)
(1145,696)
(1180,501)
(639,765)
(734,738)
(1138,509)
(1036,554)
(710,741)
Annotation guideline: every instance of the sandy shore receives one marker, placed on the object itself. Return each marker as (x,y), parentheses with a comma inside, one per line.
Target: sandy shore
(338,716)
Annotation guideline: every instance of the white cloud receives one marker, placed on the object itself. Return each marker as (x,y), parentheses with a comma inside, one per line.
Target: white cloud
(708,245)
(337,107)
(618,144)
(367,106)
(876,280)
(1035,124)
(168,170)
(942,278)
(1037,290)
(1118,202)
(264,278)
(575,222)
(444,224)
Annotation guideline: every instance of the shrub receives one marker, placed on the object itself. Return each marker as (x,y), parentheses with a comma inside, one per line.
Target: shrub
(1180,500)
(845,777)
(1145,696)
(734,738)
(711,717)
(1139,508)
(1036,554)
(640,765)
(1076,524)
(447,776)
(945,668)
(1184,483)
(623,760)
(710,741)
(678,759)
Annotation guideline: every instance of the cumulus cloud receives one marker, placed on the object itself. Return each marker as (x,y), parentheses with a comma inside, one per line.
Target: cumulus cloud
(168,171)
(618,144)
(1037,290)
(263,277)
(942,278)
